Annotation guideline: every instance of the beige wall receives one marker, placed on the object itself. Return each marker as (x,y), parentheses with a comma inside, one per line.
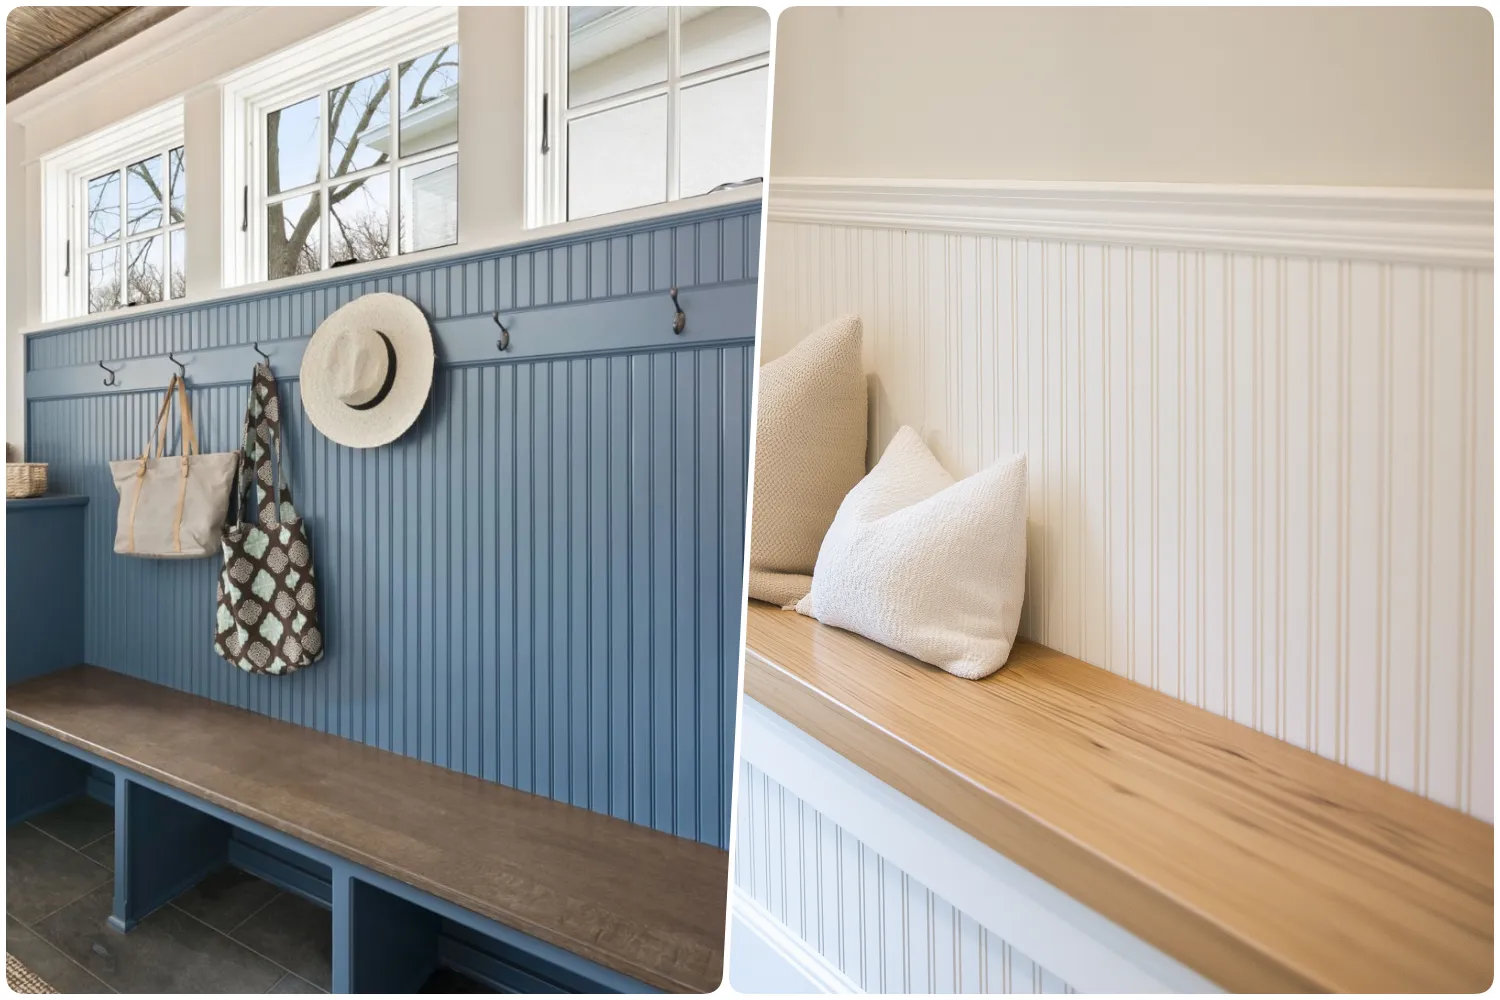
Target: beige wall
(1348,96)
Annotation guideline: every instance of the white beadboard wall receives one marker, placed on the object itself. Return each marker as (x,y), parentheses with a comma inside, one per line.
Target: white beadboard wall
(1259,433)
(881,928)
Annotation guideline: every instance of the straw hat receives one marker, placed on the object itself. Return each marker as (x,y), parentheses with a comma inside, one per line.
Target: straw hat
(367,370)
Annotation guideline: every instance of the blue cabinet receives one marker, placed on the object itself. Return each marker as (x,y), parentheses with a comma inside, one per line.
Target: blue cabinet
(44,585)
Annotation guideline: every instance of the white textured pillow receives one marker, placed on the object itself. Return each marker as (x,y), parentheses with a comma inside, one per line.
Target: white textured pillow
(928,566)
(809,452)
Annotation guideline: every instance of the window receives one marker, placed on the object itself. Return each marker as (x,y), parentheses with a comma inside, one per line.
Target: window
(134,216)
(350,147)
(114,214)
(641,105)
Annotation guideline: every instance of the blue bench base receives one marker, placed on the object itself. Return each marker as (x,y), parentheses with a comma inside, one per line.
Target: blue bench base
(388,936)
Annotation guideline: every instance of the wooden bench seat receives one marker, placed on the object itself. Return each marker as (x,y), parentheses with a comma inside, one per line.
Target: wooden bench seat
(643,903)
(1259,865)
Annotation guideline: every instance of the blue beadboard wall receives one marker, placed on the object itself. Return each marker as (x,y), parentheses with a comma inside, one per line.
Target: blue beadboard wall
(539,583)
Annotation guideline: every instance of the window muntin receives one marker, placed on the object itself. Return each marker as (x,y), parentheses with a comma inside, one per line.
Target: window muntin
(133,229)
(335,168)
(656,104)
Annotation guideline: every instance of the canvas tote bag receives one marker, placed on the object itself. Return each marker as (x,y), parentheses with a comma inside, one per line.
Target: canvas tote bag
(267,611)
(172,507)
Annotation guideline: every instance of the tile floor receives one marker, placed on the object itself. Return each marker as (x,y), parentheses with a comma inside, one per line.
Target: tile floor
(232,933)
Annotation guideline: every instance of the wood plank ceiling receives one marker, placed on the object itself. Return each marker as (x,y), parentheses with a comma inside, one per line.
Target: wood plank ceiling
(42,43)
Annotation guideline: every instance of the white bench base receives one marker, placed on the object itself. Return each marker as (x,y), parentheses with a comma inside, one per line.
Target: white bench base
(1073,944)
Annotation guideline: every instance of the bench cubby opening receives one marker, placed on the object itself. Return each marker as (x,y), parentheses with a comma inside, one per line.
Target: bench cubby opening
(163,847)
(283,867)
(39,778)
(393,937)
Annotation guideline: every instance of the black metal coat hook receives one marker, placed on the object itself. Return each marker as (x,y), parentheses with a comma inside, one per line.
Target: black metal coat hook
(679,322)
(181,368)
(112,372)
(263,354)
(504,342)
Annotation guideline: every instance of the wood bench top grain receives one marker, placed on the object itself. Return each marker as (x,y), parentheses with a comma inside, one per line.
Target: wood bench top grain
(636,900)
(1262,866)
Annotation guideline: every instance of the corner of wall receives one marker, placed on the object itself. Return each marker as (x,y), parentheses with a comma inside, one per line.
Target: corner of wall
(16,271)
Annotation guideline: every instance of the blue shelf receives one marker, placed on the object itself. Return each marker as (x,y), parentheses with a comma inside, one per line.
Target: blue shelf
(47,500)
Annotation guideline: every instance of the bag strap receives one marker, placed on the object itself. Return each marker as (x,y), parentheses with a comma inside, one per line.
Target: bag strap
(158,434)
(243,460)
(189,426)
(158,438)
(260,450)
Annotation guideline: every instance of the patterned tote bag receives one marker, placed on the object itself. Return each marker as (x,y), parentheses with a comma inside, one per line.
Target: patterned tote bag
(267,613)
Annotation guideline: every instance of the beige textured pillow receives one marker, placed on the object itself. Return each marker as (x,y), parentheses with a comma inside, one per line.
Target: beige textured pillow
(809,453)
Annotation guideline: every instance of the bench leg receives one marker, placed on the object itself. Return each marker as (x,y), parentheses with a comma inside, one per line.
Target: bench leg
(38,778)
(162,848)
(343,932)
(389,945)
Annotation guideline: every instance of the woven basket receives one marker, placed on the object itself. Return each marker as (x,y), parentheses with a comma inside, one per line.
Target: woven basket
(25,479)
(22,979)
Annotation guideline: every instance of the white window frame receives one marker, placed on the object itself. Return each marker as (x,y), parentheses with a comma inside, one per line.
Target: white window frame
(547,85)
(66,173)
(355,49)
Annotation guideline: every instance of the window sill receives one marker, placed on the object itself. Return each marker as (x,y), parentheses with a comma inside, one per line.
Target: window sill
(524,237)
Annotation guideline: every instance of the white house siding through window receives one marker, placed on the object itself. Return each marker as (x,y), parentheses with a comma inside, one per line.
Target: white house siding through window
(647,125)
(334,168)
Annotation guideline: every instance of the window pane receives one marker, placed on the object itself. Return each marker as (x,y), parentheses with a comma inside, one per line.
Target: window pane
(429,101)
(292,146)
(144,186)
(179,263)
(177,167)
(104,209)
(618,159)
(143,271)
(104,280)
(294,236)
(713,36)
(429,204)
(723,131)
(612,50)
(359,124)
(359,219)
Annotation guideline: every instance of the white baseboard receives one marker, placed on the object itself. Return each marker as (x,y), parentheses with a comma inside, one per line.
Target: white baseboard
(766,957)
(1086,950)
(1412,225)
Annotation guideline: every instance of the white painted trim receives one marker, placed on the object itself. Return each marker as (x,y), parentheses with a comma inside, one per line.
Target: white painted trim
(1084,949)
(546,75)
(797,959)
(1410,225)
